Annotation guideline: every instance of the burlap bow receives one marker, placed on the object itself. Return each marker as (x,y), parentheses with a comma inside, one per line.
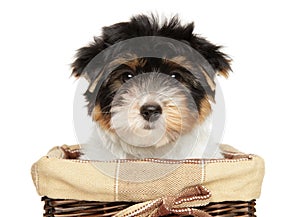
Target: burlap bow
(180,204)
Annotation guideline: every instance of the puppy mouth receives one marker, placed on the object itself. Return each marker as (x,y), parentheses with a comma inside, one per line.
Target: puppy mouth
(149,126)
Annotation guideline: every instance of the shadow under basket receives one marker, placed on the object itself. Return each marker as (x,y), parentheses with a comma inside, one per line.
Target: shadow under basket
(225,187)
(72,208)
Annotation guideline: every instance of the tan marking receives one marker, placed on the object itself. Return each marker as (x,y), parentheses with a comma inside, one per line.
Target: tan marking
(136,62)
(205,109)
(112,65)
(94,84)
(224,73)
(178,120)
(173,120)
(103,120)
(181,61)
(115,85)
(209,80)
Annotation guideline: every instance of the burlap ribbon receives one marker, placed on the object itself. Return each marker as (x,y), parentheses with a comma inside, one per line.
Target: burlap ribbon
(180,204)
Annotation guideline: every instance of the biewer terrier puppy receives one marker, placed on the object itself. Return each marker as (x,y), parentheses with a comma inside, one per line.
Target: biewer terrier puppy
(151,89)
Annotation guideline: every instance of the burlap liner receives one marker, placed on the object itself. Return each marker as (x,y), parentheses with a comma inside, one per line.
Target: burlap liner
(236,177)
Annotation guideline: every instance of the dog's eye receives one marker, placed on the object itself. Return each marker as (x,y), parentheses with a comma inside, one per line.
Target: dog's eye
(176,75)
(126,76)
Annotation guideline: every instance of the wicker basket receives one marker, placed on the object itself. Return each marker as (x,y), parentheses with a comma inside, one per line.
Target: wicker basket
(234,185)
(63,208)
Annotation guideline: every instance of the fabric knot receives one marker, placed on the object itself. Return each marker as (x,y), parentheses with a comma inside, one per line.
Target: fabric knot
(166,206)
(181,204)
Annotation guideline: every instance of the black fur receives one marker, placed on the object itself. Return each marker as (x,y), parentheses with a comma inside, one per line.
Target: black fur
(143,25)
(147,26)
(104,96)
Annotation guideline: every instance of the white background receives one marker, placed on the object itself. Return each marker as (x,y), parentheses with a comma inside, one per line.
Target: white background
(38,40)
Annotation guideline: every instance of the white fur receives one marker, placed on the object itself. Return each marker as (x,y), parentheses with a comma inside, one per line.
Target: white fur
(132,139)
(106,146)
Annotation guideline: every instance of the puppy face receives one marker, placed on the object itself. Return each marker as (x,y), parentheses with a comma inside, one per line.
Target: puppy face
(149,100)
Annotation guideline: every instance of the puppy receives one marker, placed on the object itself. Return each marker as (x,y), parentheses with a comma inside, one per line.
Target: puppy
(151,89)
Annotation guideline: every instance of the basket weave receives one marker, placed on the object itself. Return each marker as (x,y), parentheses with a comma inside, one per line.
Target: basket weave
(74,208)
(226,187)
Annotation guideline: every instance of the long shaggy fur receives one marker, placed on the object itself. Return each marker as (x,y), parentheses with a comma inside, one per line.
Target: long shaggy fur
(122,87)
(143,25)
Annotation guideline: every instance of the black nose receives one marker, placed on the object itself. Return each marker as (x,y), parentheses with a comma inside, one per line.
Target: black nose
(151,112)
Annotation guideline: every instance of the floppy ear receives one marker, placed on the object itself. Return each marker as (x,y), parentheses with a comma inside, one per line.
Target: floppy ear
(85,54)
(219,61)
(110,35)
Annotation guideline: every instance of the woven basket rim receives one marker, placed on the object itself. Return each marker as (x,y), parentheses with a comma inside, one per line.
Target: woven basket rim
(62,207)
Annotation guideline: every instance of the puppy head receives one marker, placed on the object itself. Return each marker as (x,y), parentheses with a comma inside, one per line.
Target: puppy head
(153,102)
(144,86)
